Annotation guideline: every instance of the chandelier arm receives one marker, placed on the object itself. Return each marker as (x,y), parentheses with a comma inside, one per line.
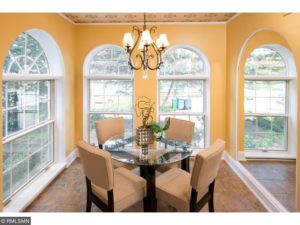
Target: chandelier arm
(135,67)
(158,56)
(135,30)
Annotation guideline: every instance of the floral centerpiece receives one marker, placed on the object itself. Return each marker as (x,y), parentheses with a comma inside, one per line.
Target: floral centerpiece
(150,130)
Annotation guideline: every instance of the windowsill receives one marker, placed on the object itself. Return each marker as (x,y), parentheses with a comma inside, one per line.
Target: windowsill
(22,199)
(268,155)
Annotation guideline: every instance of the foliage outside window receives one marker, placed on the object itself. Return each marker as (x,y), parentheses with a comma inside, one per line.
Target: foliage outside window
(183,98)
(26,105)
(265,101)
(110,97)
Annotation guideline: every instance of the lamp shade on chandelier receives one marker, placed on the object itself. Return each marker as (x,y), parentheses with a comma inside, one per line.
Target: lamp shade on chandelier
(147,47)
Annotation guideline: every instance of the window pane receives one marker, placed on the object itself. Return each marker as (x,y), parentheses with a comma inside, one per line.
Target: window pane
(6,157)
(269,133)
(250,124)
(6,184)
(110,61)
(19,174)
(28,103)
(15,119)
(265,61)
(111,95)
(182,61)
(181,96)
(29,156)
(28,57)
(15,90)
(268,97)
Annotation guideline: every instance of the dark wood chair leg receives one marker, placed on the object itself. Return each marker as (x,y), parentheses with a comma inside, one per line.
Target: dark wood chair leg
(88,195)
(211,200)
(145,205)
(193,201)
(185,164)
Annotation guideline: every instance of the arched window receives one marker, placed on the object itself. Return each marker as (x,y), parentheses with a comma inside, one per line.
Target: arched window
(28,110)
(268,99)
(183,89)
(108,81)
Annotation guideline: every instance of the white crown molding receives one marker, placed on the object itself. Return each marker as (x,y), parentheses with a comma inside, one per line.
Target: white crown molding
(67,18)
(233,18)
(149,23)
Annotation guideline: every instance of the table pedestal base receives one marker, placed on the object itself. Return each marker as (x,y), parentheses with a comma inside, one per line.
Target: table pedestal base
(148,173)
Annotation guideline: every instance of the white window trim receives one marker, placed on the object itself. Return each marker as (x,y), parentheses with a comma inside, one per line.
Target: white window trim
(291,107)
(30,191)
(87,77)
(205,77)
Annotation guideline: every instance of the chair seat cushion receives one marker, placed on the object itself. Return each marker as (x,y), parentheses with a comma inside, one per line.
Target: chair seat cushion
(173,187)
(128,189)
(167,167)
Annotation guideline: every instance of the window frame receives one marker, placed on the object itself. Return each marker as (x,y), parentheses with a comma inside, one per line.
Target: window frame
(205,78)
(289,78)
(87,77)
(23,77)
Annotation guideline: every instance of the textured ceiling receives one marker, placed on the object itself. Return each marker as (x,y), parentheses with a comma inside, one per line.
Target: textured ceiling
(82,18)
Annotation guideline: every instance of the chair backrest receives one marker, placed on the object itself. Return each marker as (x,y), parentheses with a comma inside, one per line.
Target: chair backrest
(180,130)
(97,165)
(109,128)
(206,165)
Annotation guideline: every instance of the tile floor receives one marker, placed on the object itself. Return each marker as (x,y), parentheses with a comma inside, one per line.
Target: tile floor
(67,193)
(279,177)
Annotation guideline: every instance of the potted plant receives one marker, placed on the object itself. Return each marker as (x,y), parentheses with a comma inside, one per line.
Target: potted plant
(150,130)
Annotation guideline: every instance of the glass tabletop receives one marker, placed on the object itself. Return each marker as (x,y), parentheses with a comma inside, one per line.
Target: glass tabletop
(168,151)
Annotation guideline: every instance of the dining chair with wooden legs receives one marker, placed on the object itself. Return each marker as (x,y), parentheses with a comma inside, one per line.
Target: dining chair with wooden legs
(110,189)
(190,192)
(179,130)
(111,128)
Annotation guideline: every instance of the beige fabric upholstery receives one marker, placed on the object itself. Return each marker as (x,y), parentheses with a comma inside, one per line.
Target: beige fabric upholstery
(206,165)
(128,189)
(109,128)
(180,130)
(97,165)
(173,187)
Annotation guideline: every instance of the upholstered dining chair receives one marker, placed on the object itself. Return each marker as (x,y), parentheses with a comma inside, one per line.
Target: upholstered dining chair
(190,192)
(111,128)
(179,130)
(110,189)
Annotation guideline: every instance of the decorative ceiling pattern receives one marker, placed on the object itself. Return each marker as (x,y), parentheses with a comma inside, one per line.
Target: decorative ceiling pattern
(83,18)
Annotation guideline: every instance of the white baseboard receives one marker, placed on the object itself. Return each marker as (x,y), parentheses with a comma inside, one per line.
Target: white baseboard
(24,197)
(71,157)
(261,193)
(241,156)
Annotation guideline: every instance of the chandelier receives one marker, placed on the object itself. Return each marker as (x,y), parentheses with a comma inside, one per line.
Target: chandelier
(147,47)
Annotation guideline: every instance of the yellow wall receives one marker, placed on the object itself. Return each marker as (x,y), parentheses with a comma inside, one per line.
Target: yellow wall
(211,39)
(220,43)
(238,32)
(11,25)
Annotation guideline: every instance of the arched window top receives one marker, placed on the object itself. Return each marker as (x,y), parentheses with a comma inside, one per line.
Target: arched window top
(266,61)
(26,57)
(184,60)
(107,60)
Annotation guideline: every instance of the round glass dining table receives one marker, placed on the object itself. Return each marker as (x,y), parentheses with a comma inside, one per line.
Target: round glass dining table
(165,152)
